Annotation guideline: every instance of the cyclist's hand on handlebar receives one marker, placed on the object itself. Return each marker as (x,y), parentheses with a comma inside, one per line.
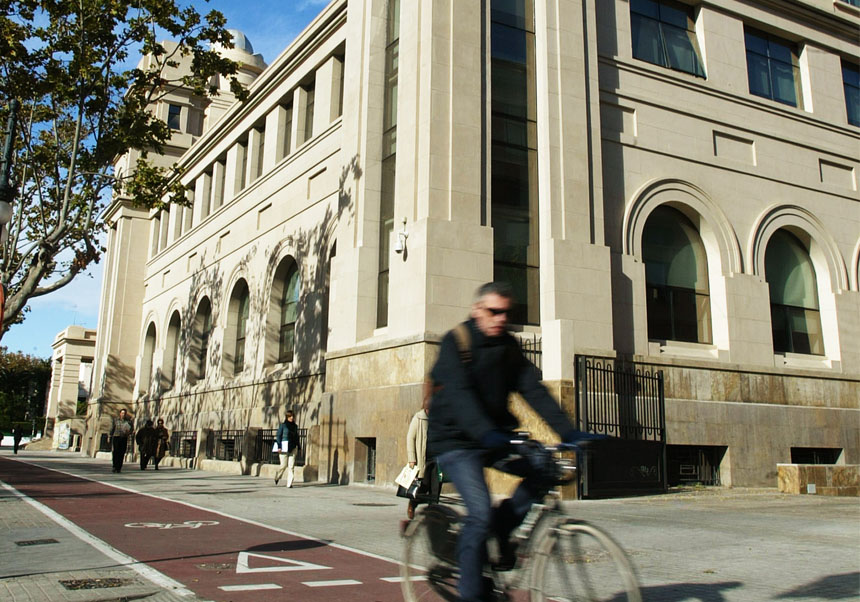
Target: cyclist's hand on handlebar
(495,439)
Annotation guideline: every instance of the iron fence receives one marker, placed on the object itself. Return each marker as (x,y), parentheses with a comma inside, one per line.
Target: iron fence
(225,445)
(266,441)
(620,399)
(183,444)
(533,351)
(624,400)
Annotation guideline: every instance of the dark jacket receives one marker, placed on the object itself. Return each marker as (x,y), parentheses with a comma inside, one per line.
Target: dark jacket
(473,399)
(289,432)
(147,441)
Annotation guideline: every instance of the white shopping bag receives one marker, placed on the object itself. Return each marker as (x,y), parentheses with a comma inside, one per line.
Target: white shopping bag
(406,476)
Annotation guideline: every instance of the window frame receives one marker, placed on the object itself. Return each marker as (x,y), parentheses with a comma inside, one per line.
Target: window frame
(794,64)
(667,58)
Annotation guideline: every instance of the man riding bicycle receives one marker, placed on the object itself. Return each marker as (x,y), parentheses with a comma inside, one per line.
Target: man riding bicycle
(471,428)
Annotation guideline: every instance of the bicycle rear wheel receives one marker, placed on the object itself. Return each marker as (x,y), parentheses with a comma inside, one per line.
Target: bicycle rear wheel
(577,562)
(429,570)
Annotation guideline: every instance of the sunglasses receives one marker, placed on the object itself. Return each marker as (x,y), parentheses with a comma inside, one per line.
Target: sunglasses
(497,311)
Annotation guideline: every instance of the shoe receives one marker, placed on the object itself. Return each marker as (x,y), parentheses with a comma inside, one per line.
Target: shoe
(156,468)
(507,559)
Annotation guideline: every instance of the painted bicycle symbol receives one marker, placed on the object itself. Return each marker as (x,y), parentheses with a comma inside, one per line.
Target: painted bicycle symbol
(189,524)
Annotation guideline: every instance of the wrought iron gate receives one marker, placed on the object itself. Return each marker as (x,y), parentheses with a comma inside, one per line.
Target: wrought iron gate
(624,400)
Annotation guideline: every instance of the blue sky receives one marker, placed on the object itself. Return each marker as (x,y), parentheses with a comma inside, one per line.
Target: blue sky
(270,26)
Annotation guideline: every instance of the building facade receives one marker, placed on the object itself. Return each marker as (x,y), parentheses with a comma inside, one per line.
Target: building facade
(666,183)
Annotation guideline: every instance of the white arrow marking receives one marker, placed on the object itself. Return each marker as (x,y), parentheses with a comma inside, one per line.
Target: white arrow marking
(331,583)
(291,565)
(249,588)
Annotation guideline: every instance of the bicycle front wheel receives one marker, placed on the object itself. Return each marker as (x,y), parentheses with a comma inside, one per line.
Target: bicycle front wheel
(429,570)
(577,562)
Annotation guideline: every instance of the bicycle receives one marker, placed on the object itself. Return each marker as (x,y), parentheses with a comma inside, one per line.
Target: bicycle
(570,560)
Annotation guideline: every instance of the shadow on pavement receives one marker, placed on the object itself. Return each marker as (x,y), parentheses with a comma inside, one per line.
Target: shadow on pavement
(833,587)
(682,592)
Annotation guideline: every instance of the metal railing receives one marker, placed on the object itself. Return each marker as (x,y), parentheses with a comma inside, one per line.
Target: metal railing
(620,399)
(266,440)
(533,351)
(225,445)
(183,444)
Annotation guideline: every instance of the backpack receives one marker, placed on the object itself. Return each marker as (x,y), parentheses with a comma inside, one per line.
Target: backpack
(463,338)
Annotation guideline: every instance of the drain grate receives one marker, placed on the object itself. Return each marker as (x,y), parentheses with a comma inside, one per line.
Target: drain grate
(36,542)
(373,504)
(217,566)
(76,584)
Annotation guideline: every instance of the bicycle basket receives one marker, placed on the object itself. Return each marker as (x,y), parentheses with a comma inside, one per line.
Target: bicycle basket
(443,527)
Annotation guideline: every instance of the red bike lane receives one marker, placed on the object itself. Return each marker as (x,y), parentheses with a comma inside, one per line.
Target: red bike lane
(215,556)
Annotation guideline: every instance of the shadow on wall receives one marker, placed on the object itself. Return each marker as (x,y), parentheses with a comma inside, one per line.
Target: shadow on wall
(276,386)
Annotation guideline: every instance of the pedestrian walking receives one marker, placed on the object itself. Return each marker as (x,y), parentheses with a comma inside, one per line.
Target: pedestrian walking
(120,431)
(162,442)
(416,448)
(288,447)
(17,435)
(147,441)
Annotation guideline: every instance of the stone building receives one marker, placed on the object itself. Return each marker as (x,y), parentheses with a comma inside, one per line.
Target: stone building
(670,185)
(71,383)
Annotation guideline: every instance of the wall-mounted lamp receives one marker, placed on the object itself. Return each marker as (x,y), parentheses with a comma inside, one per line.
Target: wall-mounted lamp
(400,244)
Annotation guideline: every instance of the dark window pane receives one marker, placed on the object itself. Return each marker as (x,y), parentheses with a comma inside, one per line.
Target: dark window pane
(675,15)
(647,44)
(682,51)
(513,132)
(758,75)
(852,104)
(755,42)
(779,51)
(508,44)
(645,7)
(510,89)
(509,12)
(510,170)
(851,74)
(782,76)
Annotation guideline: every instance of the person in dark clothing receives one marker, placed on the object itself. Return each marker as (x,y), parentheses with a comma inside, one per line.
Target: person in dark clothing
(288,446)
(17,435)
(163,441)
(120,431)
(147,441)
(471,427)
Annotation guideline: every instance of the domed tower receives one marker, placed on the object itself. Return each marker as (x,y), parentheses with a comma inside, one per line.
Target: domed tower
(250,66)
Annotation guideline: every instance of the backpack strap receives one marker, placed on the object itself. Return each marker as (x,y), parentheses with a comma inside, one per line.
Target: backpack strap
(464,343)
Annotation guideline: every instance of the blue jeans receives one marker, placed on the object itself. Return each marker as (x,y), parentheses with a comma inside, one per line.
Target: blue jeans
(465,468)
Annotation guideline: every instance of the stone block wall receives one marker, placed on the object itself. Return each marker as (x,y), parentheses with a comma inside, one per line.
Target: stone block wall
(819,479)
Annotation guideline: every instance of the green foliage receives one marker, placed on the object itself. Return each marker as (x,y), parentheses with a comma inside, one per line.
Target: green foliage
(82,105)
(24,383)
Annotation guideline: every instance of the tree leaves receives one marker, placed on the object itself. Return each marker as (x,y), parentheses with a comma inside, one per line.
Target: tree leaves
(82,107)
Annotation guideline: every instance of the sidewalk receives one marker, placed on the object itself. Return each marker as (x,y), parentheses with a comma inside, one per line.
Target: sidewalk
(41,561)
(711,545)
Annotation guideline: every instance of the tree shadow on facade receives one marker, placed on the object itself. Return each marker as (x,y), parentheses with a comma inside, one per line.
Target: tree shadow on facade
(265,384)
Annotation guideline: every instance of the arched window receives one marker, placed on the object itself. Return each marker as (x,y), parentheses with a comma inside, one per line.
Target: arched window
(171,351)
(283,313)
(794,311)
(676,277)
(201,330)
(147,359)
(237,323)
(289,314)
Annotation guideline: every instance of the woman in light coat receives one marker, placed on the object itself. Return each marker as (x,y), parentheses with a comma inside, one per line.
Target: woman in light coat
(416,447)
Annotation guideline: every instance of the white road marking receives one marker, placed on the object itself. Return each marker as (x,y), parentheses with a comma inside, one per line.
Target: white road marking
(331,583)
(142,569)
(286,564)
(248,588)
(401,579)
